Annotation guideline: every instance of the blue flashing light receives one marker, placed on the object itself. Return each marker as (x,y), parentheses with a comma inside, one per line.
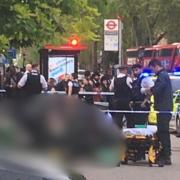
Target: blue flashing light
(176,71)
(146,73)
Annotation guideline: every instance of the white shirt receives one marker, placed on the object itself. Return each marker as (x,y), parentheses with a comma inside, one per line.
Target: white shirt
(70,84)
(23,80)
(121,75)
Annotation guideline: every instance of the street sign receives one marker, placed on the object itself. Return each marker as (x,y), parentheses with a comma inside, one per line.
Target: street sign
(12,53)
(111,24)
(111,35)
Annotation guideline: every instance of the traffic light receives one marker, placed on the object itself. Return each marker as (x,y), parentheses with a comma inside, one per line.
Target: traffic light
(74,41)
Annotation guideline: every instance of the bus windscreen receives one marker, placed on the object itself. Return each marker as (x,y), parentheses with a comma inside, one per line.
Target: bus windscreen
(132,54)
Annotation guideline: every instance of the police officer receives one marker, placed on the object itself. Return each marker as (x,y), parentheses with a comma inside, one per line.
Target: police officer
(87,87)
(32,82)
(121,85)
(163,101)
(138,98)
(73,85)
(62,85)
(11,83)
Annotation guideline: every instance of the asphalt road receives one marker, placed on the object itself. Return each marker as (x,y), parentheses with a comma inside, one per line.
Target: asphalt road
(138,171)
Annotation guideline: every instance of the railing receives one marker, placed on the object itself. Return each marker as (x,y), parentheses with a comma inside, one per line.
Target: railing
(105,104)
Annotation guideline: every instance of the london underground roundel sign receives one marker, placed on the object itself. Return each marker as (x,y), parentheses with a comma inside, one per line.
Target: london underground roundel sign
(111,25)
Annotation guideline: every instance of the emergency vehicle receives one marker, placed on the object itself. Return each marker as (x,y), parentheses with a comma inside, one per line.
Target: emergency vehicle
(169,55)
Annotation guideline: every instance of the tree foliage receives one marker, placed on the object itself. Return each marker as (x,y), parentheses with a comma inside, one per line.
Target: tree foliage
(146,22)
(26,22)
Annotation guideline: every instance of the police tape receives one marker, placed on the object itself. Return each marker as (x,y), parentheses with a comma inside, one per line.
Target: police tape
(54,92)
(96,93)
(140,112)
(80,93)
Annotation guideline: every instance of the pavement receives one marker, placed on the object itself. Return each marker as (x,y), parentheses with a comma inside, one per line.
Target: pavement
(138,171)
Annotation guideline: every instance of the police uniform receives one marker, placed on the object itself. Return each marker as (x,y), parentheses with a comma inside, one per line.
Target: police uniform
(122,96)
(75,87)
(163,101)
(137,100)
(32,83)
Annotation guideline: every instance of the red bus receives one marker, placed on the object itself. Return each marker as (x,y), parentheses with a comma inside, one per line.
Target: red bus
(169,55)
(131,56)
(148,54)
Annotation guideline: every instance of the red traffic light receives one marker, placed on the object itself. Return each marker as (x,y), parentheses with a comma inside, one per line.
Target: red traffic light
(74,41)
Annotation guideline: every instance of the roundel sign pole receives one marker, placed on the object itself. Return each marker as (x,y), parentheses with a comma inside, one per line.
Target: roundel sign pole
(112,36)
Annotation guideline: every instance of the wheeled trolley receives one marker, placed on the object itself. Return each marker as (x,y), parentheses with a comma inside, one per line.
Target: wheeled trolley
(140,144)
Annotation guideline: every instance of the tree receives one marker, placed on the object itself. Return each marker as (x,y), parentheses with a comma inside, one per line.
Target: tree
(26,23)
(145,22)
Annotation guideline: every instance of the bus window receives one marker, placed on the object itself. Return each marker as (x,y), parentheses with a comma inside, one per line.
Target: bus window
(165,52)
(178,52)
(148,53)
(132,54)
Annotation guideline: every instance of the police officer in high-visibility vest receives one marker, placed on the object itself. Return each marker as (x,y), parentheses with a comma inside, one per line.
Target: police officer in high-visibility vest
(32,82)
(121,85)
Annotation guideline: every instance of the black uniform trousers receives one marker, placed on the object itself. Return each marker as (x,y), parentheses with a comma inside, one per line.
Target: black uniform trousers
(119,104)
(138,118)
(163,120)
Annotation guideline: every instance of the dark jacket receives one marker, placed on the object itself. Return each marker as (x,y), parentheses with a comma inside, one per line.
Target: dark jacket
(88,98)
(162,91)
(122,91)
(136,90)
(62,86)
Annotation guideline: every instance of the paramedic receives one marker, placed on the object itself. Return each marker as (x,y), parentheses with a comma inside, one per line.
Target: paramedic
(138,98)
(121,85)
(163,101)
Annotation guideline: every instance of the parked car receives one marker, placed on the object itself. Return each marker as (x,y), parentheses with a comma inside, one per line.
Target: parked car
(178,122)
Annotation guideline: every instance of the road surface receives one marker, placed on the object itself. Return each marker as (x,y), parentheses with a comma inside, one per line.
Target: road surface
(138,171)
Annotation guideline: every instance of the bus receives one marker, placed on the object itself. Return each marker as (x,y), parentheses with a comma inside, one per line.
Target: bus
(169,55)
(131,56)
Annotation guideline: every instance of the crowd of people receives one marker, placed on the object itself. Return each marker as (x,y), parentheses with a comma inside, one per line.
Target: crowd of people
(132,91)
